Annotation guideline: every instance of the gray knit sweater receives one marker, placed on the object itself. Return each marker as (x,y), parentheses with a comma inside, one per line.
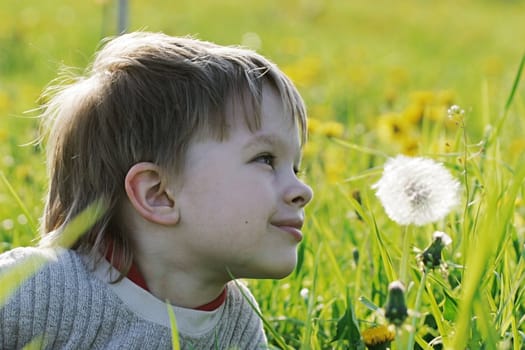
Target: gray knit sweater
(73,307)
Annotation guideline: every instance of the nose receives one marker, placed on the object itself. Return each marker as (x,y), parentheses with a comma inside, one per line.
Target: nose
(299,194)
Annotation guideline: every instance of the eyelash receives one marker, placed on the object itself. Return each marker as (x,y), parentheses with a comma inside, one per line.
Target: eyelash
(269,159)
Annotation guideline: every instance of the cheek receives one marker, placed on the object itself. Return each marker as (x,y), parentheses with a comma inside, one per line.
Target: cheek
(235,197)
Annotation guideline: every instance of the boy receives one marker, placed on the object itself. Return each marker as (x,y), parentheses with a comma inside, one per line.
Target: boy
(195,148)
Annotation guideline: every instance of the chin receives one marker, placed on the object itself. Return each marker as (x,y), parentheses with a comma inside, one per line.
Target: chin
(268,267)
(280,269)
(282,274)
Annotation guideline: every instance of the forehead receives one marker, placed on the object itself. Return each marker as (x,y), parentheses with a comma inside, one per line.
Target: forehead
(278,129)
(270,111)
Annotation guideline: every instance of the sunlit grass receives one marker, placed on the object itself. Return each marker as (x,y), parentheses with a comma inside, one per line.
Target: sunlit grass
(378,79)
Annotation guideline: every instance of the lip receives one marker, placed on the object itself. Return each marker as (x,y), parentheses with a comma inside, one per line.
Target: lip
(293,227)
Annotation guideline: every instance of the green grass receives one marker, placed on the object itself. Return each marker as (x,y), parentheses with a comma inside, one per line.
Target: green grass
(355,63)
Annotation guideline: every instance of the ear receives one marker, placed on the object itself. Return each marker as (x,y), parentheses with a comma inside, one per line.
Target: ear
(148,193)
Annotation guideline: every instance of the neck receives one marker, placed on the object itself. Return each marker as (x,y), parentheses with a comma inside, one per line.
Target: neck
(181,287)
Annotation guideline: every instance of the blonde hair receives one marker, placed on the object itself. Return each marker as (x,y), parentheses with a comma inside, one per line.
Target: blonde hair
(145,97)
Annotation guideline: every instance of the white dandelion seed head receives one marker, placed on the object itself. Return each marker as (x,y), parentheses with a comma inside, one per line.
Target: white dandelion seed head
(455,111)
(304,292)
(416,190)
(396,285)
(443,237)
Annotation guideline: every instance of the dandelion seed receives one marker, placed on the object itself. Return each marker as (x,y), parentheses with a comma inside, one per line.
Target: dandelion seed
(378,338)
(395,309)
(416,190)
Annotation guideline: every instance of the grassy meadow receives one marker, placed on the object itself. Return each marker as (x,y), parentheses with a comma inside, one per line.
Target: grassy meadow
(378,79)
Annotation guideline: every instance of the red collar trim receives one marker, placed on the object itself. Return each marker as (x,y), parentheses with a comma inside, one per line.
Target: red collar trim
(135,276)
(215,303)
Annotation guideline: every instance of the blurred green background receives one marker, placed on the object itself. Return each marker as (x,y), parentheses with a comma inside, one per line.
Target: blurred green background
(352,60)
(378,75)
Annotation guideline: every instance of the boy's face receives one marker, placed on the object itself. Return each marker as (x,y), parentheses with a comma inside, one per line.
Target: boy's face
(241,203)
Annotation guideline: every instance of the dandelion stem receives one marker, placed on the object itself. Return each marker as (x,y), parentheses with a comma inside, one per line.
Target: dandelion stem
(466,231)
(399,341)
(412,333)
(403,270)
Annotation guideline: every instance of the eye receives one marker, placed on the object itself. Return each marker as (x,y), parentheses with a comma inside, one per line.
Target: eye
(266,158)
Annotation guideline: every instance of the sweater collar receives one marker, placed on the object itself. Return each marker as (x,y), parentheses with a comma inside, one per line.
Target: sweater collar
(135,276)
(145,305)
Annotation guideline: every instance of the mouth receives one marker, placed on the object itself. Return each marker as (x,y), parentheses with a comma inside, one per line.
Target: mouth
(293,227)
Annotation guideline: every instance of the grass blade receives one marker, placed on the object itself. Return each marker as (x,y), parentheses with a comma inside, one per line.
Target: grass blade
(15,275)
(19,202)
(515,84)
(175,343)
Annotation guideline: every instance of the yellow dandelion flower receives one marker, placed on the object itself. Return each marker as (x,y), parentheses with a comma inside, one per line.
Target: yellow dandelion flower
(358,75)
(392,127)
(517,147)
(398,75)
(5,101)
(414,113)
(445,97)
(23,171)
(320,111)
(310,149)
(390,95)
(291,45)
(409,146)
(3,135)
(334,173)
(334,166)
(493,66)
(313,125)
(378,337)
(332,129)
(437,113)
(422,97)
(305,71)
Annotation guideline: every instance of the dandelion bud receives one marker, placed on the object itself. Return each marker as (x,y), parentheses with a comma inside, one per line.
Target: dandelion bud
(431,257)
(357,196)
(355,255)
(395,308)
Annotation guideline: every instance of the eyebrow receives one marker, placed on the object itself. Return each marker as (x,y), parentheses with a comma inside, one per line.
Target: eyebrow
(272,141)
(264,139)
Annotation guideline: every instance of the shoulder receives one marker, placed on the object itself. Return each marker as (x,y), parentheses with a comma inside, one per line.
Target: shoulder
(21,268)
(239,292)
(242,311)
(35,258)
(26,255)
(24,262)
